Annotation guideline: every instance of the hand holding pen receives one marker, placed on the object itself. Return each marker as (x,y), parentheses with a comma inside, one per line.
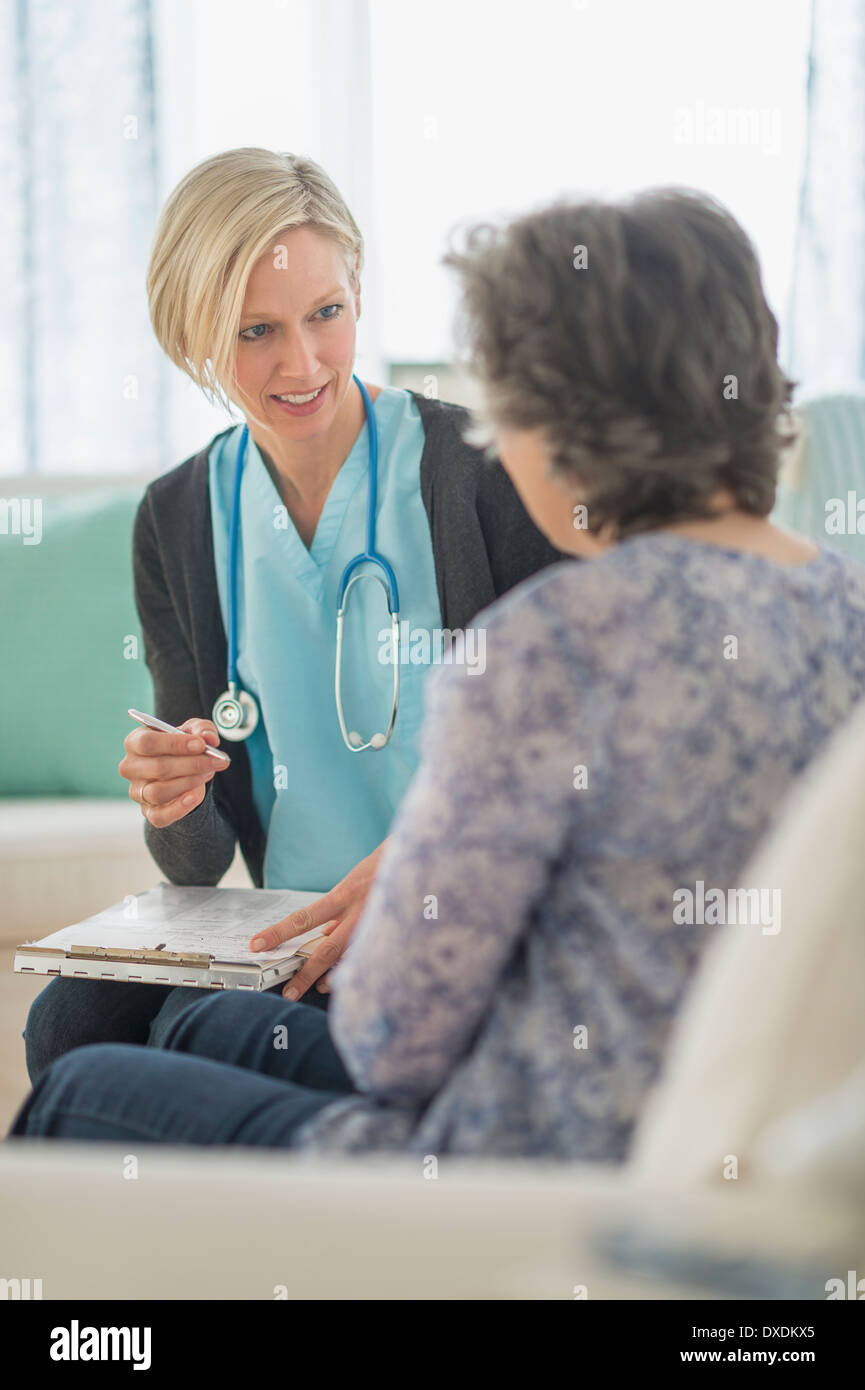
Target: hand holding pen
(168,768)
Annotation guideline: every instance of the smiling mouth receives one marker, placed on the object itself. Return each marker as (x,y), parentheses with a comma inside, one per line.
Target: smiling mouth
(291,399)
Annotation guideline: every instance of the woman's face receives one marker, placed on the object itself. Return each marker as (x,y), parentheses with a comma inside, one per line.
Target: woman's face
(553,504)
(297,335)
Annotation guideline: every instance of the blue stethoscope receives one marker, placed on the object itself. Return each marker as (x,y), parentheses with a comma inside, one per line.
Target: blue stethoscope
(235,712)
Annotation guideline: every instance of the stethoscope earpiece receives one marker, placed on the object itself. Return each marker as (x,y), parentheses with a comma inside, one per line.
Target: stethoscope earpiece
(235,712)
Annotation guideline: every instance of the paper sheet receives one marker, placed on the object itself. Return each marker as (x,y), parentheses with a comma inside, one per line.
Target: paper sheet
(215,921)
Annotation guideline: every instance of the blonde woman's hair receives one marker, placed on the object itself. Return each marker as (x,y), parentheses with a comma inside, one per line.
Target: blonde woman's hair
(219,220)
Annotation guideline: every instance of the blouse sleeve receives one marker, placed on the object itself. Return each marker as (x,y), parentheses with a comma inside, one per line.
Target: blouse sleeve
(469,856)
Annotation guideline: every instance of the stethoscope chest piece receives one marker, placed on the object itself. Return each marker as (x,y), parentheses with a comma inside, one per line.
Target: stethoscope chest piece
(235,714)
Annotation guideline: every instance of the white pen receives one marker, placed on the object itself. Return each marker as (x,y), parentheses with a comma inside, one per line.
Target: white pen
(151,722)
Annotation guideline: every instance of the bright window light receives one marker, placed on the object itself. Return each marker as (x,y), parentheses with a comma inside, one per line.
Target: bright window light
(489,107)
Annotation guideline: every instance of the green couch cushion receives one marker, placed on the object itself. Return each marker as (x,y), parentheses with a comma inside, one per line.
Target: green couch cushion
(71,648)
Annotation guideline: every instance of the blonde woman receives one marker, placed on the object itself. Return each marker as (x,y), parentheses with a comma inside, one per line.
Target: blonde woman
(254,288)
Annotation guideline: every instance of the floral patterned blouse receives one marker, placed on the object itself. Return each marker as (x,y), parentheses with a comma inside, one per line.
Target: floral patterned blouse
(511,985)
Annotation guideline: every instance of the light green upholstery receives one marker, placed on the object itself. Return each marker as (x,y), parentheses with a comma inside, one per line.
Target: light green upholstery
(70,647)
(824,482)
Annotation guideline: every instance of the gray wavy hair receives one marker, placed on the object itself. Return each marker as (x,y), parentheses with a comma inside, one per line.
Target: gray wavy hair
(651,370)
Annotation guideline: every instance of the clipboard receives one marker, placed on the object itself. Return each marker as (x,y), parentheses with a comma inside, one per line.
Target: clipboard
(217,922)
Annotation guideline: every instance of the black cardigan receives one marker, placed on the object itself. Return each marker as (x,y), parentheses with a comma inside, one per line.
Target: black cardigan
(483,544)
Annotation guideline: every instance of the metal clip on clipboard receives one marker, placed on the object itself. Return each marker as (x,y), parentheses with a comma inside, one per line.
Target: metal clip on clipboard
(155,954)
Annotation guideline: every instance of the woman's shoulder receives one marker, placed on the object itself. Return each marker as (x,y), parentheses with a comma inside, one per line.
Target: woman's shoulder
(656,584)
(849,569)
(607,589)
(436,413)
(576,607)
(444,424)
(187,481)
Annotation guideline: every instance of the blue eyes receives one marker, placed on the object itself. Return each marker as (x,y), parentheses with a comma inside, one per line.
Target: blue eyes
(252,334)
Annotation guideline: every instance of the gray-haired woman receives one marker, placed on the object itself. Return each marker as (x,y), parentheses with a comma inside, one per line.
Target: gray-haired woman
(584,813)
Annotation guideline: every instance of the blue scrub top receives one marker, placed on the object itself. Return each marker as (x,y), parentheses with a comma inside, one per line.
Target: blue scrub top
(324,808)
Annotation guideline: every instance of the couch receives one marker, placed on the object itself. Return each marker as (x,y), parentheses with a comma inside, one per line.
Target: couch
(745,1178)
(764,1068)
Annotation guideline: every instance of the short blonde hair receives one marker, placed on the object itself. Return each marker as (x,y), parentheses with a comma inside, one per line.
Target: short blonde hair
(219,220)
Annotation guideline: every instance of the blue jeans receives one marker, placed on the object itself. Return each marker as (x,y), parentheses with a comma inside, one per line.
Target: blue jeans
(231,1068)
(78,1013)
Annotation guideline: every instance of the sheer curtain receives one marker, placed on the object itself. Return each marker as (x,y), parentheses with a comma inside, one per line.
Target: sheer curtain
(110,103)
(828,305)
(80,370)
(293,76)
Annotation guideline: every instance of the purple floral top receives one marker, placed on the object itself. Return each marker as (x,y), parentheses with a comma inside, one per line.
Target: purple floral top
(511,985)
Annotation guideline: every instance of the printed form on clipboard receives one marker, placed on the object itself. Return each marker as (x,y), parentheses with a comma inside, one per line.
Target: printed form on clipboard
(177,936)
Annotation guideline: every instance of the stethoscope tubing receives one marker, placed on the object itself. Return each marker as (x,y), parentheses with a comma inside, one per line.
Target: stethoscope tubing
(348,578)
